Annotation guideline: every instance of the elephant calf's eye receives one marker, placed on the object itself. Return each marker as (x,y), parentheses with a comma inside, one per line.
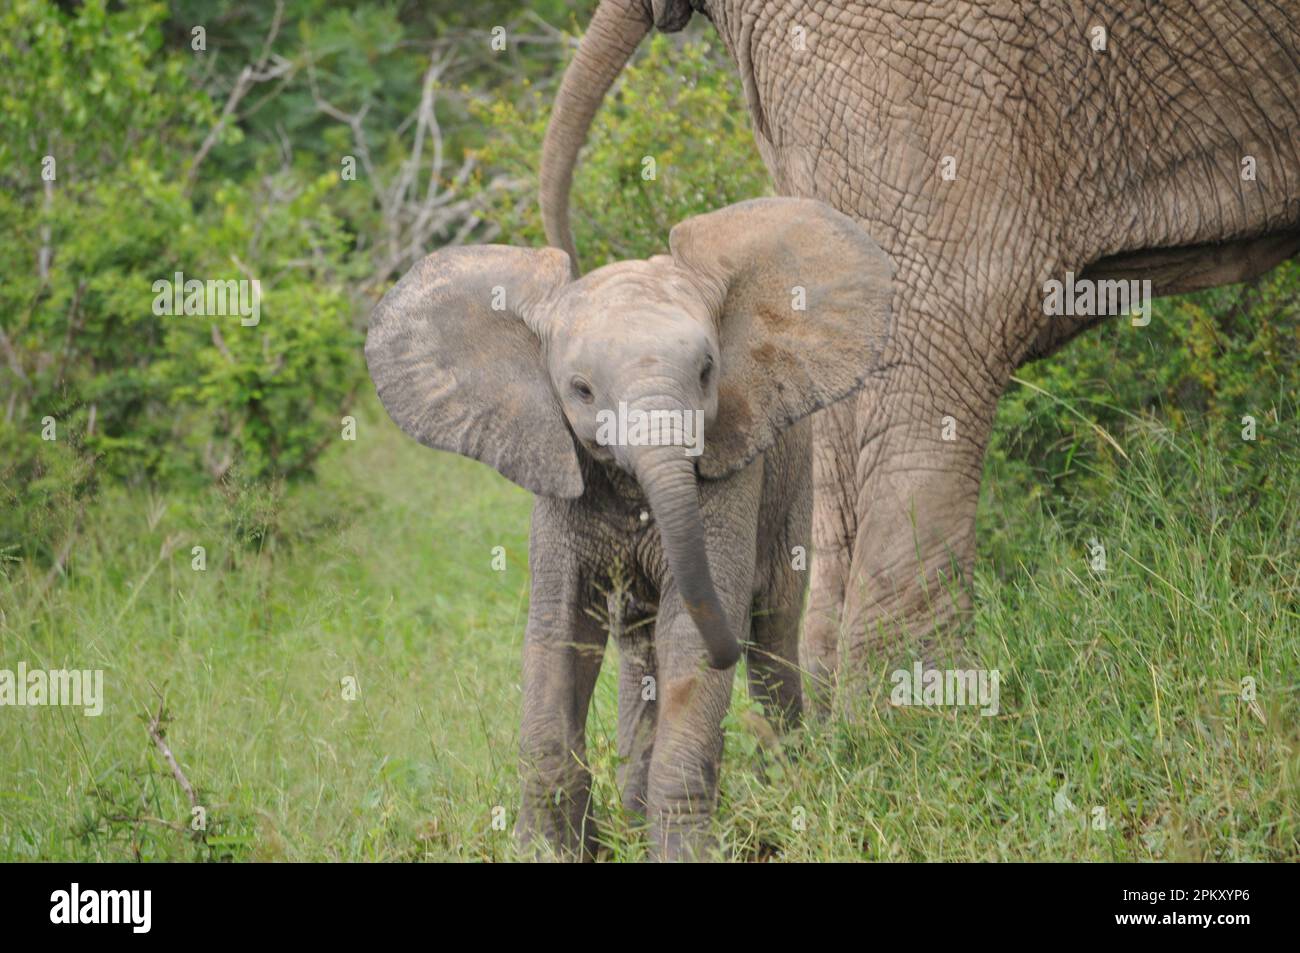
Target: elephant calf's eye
(582,389)
(707,373)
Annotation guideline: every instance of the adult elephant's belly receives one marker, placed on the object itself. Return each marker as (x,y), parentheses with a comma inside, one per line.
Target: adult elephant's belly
(1190,268)
(1172,271)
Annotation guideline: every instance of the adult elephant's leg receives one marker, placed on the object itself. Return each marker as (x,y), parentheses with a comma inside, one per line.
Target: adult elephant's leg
(834,527)
(563,650)
(921,431)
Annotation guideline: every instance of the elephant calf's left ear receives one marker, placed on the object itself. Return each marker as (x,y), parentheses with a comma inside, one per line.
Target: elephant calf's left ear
(803,297)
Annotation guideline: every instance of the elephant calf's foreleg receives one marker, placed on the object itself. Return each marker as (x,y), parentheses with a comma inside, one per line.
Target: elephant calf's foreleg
(554,817)
(563,650)
(683,781)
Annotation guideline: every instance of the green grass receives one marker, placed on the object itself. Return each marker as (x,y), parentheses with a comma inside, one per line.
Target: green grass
(1121,690)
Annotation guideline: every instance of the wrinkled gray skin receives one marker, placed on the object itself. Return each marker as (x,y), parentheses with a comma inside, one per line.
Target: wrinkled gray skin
(764,312)
(1124,163)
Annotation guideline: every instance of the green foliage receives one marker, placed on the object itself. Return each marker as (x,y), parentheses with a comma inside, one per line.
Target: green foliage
(1205,360)
(269,396)
(221,163)
(137,395)
(679,105)
(88,88)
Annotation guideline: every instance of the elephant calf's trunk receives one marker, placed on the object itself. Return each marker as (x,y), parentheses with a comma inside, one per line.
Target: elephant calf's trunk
(668,479)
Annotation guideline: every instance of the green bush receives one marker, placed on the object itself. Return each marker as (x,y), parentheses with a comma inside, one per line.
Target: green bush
(134,395)
(1206,360)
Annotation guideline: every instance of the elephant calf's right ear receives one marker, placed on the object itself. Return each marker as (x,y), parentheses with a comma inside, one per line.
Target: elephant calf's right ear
(458,368)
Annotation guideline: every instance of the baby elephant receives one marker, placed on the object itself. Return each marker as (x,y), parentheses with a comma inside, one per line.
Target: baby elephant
(653,407)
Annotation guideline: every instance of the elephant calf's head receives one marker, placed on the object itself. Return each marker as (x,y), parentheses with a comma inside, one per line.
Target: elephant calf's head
(763,312)
(632,352)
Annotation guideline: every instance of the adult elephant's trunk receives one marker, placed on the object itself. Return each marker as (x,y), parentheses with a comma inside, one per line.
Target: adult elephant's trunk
(611,39)
(667,476)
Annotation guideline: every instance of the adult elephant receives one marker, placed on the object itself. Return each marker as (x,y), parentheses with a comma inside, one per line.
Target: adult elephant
(989,147)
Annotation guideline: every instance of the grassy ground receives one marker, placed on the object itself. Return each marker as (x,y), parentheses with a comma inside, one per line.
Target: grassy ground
(1123,733)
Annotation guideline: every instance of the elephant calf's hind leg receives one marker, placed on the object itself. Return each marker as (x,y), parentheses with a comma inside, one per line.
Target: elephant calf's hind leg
(638,694)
